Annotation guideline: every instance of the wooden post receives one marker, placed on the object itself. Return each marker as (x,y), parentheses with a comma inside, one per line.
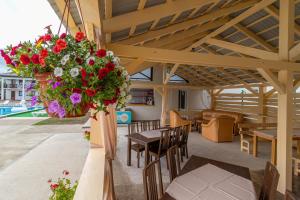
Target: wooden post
(261,105)
(285,99)
(164,106)
(212,100)
(284,132)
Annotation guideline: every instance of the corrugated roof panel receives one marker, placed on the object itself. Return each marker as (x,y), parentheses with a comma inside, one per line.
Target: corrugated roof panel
(297,9)
(151,3)
(238,13)
(165,20)
(236,37)
(141,28)
(266,23)
(120,34)
(202,10)
(224,51)
(183,15)
(247,42)
(228,31)
(254,17)
(274,42)
(271,33)
(123,6)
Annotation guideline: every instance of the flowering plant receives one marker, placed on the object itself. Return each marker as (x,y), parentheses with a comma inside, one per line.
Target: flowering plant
(62,188)
(80,76)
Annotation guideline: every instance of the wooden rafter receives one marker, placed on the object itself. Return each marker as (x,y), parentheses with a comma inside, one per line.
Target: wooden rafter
(141,6)
(234,21)
(272,79)
(192,58)
(187,24)
(108,15)
(149,14)
(258,53)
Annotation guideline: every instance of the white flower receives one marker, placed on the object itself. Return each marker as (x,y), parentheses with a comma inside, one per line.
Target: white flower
(109,53)
(58,72)
(124,86)
(123,94)
(65,59)
(74,72)
(116,60)
(124,73)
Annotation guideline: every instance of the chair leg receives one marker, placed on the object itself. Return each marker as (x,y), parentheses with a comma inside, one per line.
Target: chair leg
(187,153)
(181,154)
(167,161)
(138,159)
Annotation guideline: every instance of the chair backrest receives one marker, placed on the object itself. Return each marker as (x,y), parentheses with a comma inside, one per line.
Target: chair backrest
(133,127)
(164,142)
(175,136)
(155,124)
(153,188)
(269,187)
(290,196)
(145,125)
(173,162)
(184,134)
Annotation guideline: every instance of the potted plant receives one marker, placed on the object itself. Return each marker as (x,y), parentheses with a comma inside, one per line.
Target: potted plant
(73,75)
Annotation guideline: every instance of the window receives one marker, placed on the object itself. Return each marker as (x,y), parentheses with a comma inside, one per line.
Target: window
(142,96)
(145,75)
(177,79)
(20,93)
(181,100)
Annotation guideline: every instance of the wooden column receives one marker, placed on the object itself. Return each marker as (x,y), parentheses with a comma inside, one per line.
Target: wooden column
(212,100)
(164,106)
(261,104)
(285,99)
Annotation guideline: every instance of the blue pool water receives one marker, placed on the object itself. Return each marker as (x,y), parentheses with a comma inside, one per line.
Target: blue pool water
(10,110)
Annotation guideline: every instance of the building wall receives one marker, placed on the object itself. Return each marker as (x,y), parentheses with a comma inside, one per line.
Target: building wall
(194,101)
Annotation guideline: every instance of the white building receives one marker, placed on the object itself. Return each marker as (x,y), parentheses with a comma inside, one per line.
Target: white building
(14,88)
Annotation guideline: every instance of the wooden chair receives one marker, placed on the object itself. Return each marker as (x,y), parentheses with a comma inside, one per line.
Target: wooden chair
(160,149)
(155,124)
(173,162)
(134,128)
(175,136)
(145,125)
(183,142)
(153,188)
(290,196)
(270,182)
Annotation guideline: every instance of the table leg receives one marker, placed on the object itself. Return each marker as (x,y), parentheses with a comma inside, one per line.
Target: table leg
(146,155)
(254,145)
(129,153)
(273,152)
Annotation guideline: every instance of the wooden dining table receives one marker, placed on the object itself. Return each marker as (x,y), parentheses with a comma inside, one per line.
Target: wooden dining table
(271,135)
(195,162)
(143,138)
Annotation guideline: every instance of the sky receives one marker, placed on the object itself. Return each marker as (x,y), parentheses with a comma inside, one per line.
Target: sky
(23,20)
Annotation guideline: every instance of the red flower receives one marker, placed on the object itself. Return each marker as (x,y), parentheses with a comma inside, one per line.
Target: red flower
(42,62)
(79,36)
(14,50)
(65,172)
(110,101)
(101,53)
(110,66)
(7,59)
(49,181)
(40,40)
(76,90)
(2,53)
(102,73)
(44,53)
(53,186)
(56,49)
(47,37)
(91,105)
(117,92)
(61,44)
(25,59)
(63,36)
(79,60)
(84,83)
(83,73)
(91,62)
(90,92)
(35,58)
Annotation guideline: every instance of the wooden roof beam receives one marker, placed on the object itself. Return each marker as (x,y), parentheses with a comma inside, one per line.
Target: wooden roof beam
(258,53)
(272,79)
(187,24)
(150,14)
(262,4)
(193,58)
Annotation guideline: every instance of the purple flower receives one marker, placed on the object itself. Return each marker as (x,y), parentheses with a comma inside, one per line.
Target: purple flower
(34,100)
(61,112)
(29,87)
(75,98)
(56,84)
(53,106)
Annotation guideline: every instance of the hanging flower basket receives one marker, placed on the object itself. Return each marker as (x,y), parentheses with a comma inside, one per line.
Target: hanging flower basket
(72,74)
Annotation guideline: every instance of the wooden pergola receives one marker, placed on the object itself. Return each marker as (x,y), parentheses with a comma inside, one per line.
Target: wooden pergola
(214,44)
